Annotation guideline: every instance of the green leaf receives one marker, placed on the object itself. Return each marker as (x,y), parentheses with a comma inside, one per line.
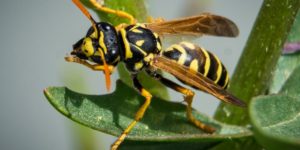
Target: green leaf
(285,66)
(163,121)
(276,118)
(294,35)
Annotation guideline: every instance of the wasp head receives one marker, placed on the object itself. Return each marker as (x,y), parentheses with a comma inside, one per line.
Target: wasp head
(102,40)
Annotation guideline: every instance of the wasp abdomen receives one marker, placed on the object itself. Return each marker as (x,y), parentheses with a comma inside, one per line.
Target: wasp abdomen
(198,60)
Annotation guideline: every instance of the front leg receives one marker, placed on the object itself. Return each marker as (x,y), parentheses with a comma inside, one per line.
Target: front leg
(138,116)
(188,98)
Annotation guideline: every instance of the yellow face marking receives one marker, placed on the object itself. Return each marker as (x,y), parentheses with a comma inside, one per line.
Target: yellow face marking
(139,42)
(93,35)
(189,45)
(183,55)
(138,65)
(194,65)
(128,53)
(101,42)
(219,70)
(207,62)
(87,47)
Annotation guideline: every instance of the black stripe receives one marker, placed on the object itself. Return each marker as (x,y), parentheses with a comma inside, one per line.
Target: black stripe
(212,73)
(223,77)
(201,60)
(173,54)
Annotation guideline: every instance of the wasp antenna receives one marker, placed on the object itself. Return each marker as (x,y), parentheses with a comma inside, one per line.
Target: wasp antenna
(106,71)
(85,12)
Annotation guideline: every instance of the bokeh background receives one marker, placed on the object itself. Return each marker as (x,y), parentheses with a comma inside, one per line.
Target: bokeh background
(35,35)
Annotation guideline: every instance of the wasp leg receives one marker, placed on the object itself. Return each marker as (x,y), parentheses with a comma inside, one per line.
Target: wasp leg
(112,11)
(94,67)
(188,97)
(138,116)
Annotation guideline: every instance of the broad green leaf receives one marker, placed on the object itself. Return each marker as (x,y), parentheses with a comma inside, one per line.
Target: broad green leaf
(163,122)
(294,35)
(285,66)
(287,63)
(276,118)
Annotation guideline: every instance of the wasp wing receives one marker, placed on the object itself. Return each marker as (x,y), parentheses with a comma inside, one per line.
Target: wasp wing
(197,25)
(195,79)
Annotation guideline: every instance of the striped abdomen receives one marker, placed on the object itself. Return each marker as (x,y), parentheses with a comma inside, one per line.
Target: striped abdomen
(199,60)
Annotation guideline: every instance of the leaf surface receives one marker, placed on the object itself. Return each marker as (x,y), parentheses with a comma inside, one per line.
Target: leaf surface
(164,121)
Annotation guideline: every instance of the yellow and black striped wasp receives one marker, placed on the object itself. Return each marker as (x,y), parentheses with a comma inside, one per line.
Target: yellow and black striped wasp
(138,45)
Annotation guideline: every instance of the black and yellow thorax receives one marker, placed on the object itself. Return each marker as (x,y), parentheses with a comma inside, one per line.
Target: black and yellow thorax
(138,46)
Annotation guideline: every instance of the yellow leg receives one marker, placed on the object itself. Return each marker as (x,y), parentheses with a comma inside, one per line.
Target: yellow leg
(112,11)
(188,97)
(138,116)
(95,67)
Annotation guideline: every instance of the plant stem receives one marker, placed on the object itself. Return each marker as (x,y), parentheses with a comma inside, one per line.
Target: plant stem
(259,58)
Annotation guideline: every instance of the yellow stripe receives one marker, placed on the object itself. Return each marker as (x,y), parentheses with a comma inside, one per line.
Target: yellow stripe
(207,62)
(137,31)
(128,53)
(148,58)
(155,35)
(194,65)
(134,27)
(219,70)
(101,42)
(188,45)
(138,65)
(140,42)
(226,81)
(144,53)
(183,55)
(158,45)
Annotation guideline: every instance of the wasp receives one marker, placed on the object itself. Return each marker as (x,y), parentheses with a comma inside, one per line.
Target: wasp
(138,45)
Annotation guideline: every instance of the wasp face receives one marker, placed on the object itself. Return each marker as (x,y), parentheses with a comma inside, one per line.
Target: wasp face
(85,48)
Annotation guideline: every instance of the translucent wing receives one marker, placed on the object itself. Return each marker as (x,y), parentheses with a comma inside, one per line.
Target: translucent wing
(197,25)
(195,79)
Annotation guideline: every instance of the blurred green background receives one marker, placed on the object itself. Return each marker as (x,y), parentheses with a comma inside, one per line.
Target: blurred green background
(36,35)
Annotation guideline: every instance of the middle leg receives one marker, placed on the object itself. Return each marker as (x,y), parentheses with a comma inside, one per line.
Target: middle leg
(188,97)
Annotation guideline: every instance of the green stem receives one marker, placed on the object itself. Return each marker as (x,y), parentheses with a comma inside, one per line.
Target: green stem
(257,63)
